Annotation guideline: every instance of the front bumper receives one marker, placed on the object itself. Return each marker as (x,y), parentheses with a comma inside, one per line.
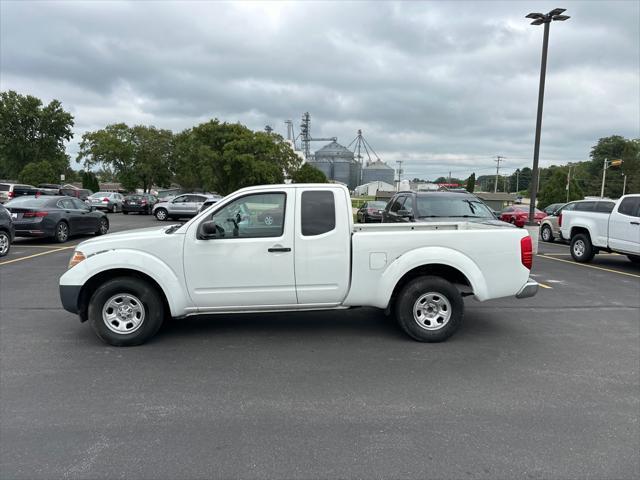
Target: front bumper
(529,289)
(69,295)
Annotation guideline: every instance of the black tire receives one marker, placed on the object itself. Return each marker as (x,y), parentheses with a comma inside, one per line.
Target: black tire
(103,227)
(5,243)
(546,234)
(581,248)
(634,258)
(150,301)
(432,290)
(62,232)
(124,212)
(161,214)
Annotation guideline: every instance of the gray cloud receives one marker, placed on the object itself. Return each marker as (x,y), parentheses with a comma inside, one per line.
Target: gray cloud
(441,85)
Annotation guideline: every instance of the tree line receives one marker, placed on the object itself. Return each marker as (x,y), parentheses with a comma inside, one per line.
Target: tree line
(222,157)
(213,156)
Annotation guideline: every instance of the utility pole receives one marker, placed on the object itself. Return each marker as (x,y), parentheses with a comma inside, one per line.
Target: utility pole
(517,180)
(449,177)
(604,176)
(498,159)
(568,182)
(624,183)
(541,19)
(399,162)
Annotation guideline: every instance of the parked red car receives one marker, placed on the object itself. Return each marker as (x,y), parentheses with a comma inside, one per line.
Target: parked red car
(518,215)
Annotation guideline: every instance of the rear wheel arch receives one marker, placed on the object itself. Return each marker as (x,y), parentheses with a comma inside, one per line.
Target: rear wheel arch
(576,230)
(441,270)
(98,279)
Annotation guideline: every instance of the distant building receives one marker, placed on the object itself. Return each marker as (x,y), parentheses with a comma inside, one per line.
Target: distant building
(378,171)
(371,189)
(497,201)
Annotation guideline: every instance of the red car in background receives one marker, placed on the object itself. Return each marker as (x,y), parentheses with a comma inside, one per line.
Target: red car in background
(518,215)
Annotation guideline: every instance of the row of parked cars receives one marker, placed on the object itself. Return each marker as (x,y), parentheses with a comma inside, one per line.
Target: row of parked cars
(59,212)
(589,226)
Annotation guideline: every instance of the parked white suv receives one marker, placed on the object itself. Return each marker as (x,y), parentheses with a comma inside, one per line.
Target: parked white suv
(596,225)
(309,256)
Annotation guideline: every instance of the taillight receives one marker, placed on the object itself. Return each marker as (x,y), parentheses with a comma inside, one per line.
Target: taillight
(105,199)
(560,220)
(11,194)
(526,252)
(34,214)
(143,202)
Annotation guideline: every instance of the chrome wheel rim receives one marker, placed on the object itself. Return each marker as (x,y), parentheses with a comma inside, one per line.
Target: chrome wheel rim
(432,311)
(104,228)
(268,220)
(4,243)
(161,215)
(123,313)
(579,248)
(546,234)
(63,232)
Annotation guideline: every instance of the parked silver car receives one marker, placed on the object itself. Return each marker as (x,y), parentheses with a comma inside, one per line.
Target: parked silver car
(186,205)
(109,201)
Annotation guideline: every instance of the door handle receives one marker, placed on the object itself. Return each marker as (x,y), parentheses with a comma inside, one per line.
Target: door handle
(279,249)
(634,223)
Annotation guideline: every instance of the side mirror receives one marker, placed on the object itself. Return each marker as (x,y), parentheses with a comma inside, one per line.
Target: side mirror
(405,214)
(208,229)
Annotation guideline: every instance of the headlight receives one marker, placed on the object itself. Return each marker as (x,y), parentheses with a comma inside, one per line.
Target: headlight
(76,259)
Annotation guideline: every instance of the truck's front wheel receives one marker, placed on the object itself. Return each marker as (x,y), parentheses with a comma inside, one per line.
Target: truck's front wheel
(429,309)
(126,311)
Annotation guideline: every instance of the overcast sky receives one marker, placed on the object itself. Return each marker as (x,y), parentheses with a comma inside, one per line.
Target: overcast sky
(441,85)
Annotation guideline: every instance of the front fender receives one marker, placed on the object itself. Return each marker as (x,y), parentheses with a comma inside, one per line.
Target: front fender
(426,256)
(169,280)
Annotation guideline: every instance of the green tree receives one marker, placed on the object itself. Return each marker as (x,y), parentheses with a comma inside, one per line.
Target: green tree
(224,157)
(90,181)
(39,172)
(31,132)
(139,156)
(308,174)
(471,183)
(609,148)
(554,188)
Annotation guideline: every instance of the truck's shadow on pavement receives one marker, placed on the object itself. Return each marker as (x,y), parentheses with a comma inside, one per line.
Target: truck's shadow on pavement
(360,322)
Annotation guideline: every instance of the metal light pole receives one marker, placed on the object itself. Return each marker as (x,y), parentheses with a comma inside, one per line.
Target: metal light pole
(540,19)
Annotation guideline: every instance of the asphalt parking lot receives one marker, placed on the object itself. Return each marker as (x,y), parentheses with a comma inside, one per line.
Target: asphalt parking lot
(546,387)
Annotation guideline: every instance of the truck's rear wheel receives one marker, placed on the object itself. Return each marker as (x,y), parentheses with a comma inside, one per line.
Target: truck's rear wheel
(429,309)
(126,311)
(581,248)
(634,258)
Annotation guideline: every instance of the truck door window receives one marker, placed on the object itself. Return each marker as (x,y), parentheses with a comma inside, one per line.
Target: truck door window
(630,206)
(397,204)
(252,216)
(318,210)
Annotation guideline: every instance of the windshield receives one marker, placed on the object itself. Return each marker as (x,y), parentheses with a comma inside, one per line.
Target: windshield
(4,187)
(432,206)
(380,205)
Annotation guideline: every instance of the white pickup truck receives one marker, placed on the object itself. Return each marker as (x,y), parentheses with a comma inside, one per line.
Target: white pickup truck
(292,248)
(592,226)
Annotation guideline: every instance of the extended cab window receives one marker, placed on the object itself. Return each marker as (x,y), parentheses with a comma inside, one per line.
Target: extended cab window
(604,207)
(585,207)
(253,216)
(318,212)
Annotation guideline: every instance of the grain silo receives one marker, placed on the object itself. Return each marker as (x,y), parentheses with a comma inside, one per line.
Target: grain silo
(378,171)
(344,168)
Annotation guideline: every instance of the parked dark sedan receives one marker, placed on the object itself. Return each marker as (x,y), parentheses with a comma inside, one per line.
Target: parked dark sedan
(438,207)
(370,212)
(7,231)
(142,203)
(56,217)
